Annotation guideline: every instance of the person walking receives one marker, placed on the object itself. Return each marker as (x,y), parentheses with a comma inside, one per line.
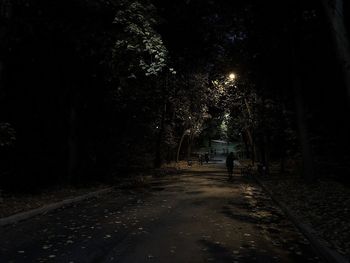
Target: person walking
(206,157)
(200,159)
(230,164)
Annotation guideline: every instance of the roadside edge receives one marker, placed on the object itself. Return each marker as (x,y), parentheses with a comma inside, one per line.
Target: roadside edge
(319,245)
(50,207)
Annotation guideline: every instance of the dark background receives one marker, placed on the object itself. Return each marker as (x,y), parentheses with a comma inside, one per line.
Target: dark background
(71,114)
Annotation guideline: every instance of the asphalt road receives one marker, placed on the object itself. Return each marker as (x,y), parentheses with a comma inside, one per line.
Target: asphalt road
(198,216)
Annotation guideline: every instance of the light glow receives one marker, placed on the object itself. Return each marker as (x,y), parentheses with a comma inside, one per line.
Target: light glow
(232,76)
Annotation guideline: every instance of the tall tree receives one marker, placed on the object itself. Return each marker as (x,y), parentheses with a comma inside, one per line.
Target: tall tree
(335,12)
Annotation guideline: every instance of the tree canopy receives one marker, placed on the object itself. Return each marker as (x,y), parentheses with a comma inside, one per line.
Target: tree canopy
(93,89)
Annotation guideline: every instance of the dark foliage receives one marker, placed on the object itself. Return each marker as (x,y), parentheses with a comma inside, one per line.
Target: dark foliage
(89,90)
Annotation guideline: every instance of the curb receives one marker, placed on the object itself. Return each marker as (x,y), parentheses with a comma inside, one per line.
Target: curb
(48,208)
(319,245)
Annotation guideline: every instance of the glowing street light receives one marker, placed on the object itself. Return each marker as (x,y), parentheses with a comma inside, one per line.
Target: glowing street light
(232,76)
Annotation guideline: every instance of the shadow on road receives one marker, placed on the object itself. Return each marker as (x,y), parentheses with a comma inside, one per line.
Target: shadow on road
(219,253)
(238,216)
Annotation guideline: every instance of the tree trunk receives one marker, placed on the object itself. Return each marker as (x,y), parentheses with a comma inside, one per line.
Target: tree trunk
(252,146)
(179,147)
(249,132)
(247,150)
(264,156)
(308,163)
(1,70)
(303,131)
(189,149)
(72,146)
(158,157)
(335,15)
(5,15)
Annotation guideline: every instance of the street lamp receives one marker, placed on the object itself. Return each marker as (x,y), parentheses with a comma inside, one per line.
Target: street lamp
(232,76)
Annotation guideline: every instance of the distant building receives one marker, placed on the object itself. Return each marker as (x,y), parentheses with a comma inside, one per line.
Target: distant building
(222,147)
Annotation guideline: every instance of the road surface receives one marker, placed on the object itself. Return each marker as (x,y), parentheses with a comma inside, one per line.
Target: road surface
(198,216)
